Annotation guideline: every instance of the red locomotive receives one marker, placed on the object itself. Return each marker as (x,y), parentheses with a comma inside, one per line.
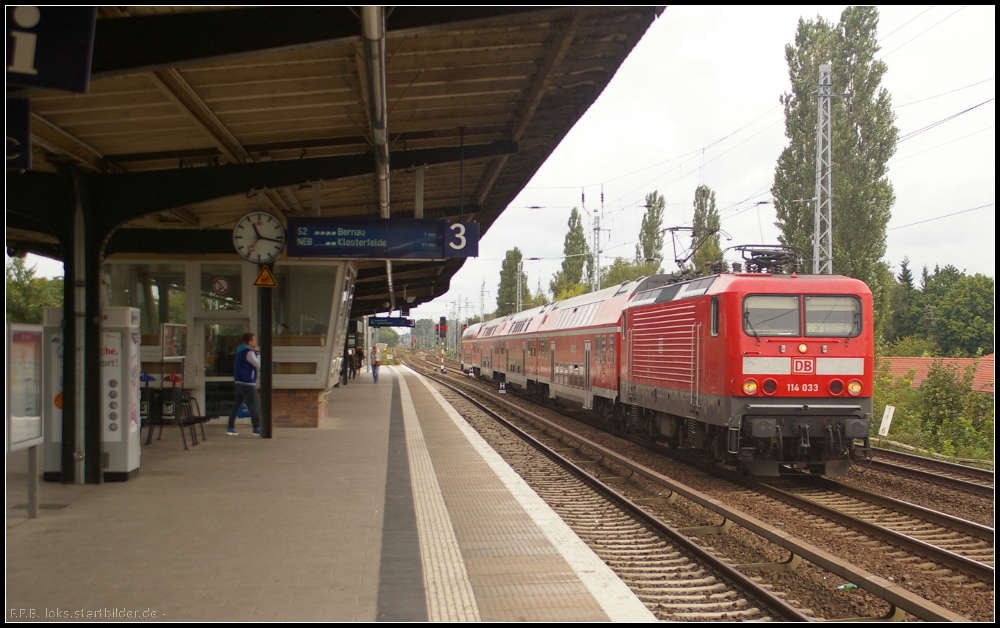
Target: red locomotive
(772,370)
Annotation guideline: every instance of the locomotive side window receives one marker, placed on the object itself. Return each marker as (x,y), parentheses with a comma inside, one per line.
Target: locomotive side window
(771,315)
(838,316)
(715,316)
(611,349)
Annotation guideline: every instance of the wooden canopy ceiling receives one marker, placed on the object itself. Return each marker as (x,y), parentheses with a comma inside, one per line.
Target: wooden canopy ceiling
(189,96)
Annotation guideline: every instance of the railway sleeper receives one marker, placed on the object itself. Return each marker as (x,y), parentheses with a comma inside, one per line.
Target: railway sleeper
(682,598)
(720,606)
(683,587)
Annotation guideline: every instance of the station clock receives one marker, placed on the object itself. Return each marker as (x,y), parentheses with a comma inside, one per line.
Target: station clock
(259,237)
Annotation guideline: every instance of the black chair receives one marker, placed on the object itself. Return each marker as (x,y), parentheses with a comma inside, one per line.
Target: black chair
(191,416)
(148,400)
(169,409)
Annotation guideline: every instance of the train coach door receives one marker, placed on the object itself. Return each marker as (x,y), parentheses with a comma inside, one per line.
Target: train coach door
(552,370)
(588,390)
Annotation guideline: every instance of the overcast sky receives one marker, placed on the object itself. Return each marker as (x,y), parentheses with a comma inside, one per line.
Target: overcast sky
(701,74)
(697,102)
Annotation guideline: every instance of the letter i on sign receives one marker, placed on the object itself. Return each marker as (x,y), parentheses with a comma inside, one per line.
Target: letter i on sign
(22,57)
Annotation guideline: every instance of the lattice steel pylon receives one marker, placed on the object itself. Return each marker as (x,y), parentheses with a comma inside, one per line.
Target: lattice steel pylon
(823,225)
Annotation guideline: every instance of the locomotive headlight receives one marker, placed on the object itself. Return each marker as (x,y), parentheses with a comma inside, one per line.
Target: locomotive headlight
(836,387)
(770,386)
(803,348)
(854,387)
(750,387)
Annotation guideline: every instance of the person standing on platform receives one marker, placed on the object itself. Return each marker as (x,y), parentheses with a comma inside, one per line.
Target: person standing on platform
(245,368)
(359,359)
(376,361)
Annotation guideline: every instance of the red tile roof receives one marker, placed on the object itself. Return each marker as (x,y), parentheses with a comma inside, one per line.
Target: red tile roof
(982,381)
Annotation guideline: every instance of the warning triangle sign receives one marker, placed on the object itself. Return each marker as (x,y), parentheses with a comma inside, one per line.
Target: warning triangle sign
(265,279)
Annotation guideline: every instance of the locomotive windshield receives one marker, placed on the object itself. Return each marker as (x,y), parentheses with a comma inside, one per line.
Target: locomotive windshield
(771,315)
(838,316)
(779,315)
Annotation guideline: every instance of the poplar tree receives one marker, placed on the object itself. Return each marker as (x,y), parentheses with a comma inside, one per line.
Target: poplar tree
(576,255)
(507,292)
(863,140)
(649,251)
(706,216)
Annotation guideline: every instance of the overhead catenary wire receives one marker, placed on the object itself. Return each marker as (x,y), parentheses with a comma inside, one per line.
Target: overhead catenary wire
(920,222)
(992,126)
(898,28)
(914,102)
(930,126)
(920,33)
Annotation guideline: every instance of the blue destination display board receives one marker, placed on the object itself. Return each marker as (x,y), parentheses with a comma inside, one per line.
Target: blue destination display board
(382,239)
(390,322)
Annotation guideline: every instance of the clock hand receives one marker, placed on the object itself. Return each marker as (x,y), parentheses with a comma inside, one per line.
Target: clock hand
(270,239)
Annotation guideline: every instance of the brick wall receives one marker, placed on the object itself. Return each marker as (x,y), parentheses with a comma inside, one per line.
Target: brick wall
(297,407)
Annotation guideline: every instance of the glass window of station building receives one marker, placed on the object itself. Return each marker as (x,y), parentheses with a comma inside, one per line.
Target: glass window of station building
(211,304)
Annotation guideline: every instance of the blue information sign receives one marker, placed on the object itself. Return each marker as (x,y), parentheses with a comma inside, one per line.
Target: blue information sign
(50,47)
(382,239)
(374,321)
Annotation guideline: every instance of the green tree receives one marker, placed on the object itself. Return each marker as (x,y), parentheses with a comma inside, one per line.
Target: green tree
(962,320)
(960,420)
(27,295)
(576,256)
(906,426)
(905,318)
(649,250)
(622,270)
(388,336)
(706,216)
(915,347)
(535,300)
(864,137)
(573,291)
(509,277)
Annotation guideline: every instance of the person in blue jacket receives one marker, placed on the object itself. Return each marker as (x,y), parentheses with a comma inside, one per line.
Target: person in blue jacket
(245,368)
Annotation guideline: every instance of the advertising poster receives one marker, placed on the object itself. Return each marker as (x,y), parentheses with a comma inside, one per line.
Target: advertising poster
(24,388)
(111,386)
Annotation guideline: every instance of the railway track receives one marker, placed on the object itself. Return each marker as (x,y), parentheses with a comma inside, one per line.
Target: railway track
(959,544)
(674,577)
(946,474)
(900,599)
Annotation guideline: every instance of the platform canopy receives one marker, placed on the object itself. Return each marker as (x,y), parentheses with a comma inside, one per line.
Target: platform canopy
(197,115)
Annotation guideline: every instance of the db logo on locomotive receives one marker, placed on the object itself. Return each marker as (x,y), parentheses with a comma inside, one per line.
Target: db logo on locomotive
(804,366)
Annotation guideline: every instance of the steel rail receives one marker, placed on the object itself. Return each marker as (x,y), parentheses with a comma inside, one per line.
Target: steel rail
(889,591)
(949,558)
(965,526)
(773,603)
(975,487)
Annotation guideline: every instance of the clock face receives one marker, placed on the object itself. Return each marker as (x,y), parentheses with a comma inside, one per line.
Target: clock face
(259,237)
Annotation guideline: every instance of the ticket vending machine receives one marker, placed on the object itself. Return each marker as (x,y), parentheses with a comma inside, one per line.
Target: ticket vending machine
(120,425)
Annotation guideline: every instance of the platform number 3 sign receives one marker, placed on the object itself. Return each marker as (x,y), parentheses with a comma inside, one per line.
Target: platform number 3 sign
(462,239)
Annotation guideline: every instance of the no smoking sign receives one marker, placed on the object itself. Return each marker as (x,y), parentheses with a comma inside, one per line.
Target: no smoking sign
(220,285)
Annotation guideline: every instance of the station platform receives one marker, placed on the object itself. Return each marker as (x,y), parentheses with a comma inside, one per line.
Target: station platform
(394,509)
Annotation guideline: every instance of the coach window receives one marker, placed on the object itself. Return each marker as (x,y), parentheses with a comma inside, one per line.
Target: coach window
(611,349)
(715,316)
(771,315)
(837,316)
